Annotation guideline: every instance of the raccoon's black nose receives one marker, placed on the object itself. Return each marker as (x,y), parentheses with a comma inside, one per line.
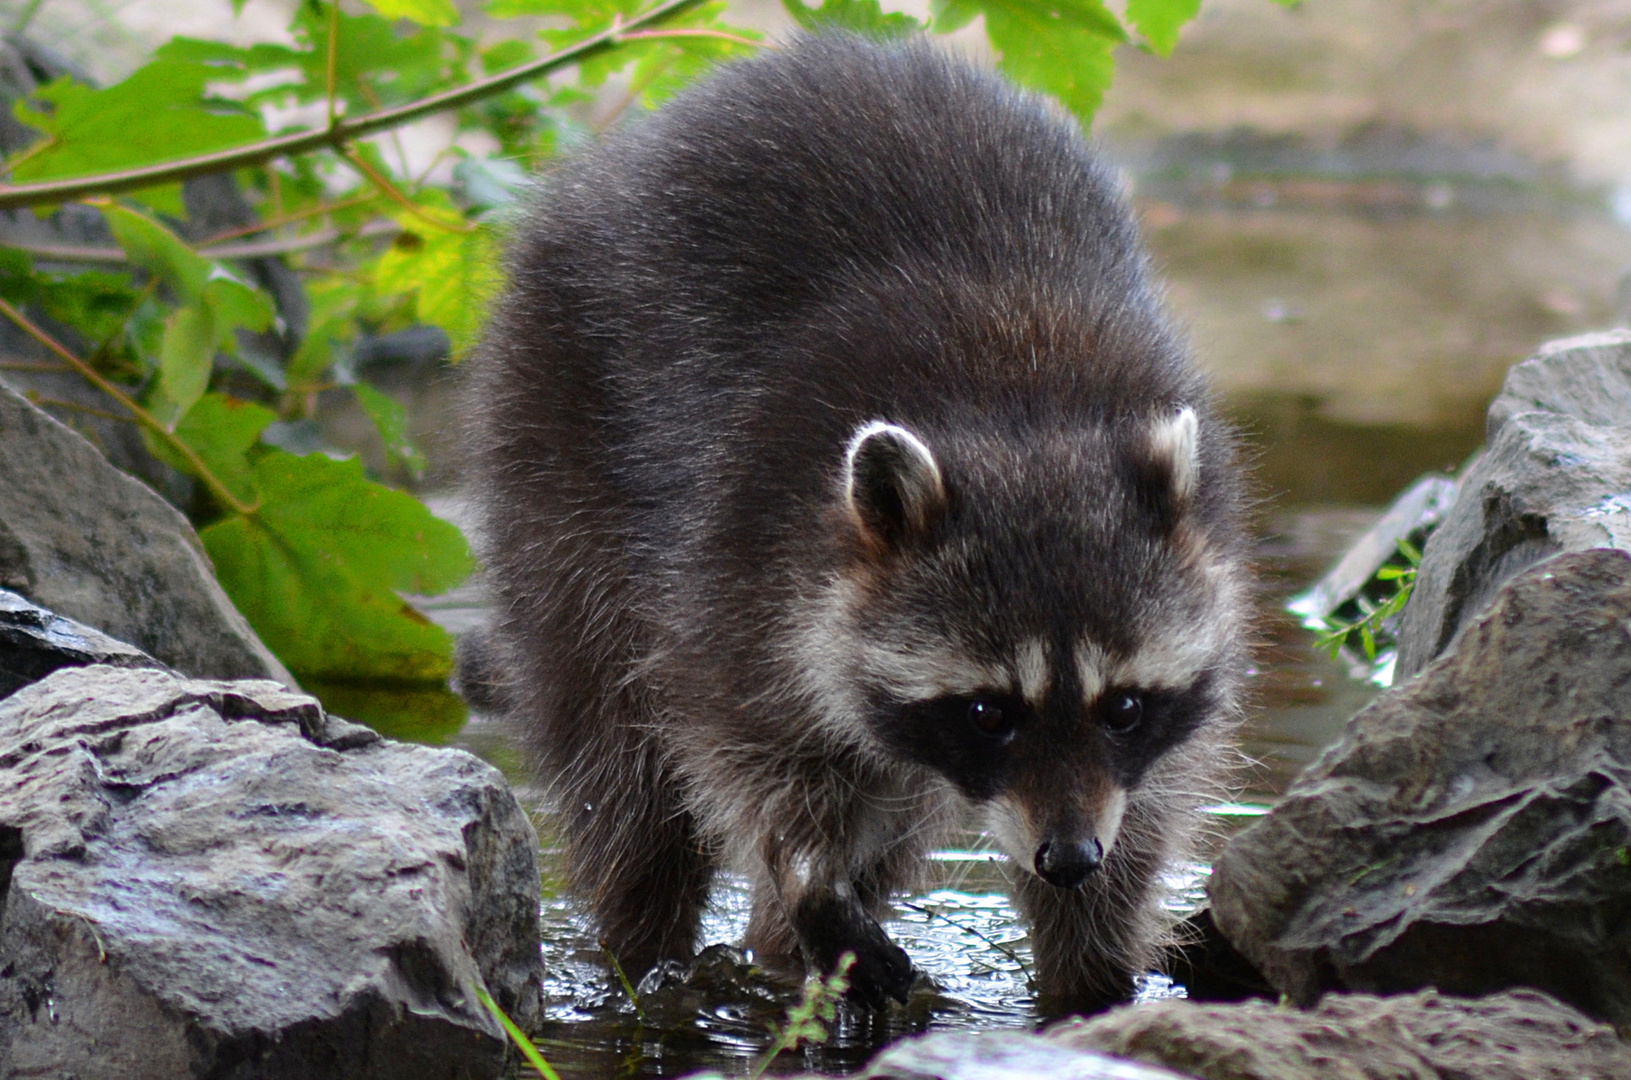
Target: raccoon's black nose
(1067,864)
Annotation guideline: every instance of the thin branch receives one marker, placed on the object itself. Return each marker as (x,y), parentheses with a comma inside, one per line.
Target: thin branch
(258,249)
(335,136)
(333,43)
(73,406)
(38,369)
(38,148)
(395,194)
(698,32)
(287,219)
(139,414)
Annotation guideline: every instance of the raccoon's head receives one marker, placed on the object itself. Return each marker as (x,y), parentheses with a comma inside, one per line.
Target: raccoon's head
(1043,615)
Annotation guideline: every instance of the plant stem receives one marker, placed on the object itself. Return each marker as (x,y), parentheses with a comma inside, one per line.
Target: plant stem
(139,414)
(333,44)
(517,1036)
(258,249)
(395,194)
(335,136)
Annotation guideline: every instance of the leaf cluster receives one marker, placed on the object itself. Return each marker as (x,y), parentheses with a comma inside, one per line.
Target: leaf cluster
(807,1021)
(1394,581)
(227,374)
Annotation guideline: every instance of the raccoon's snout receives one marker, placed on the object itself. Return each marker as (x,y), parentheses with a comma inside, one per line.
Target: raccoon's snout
(1067,863)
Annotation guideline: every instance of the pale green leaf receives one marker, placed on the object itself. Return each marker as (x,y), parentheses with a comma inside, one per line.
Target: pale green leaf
(423,12)
(1160,20)
(159,251)
(186,358)
(452,274)
(390,419)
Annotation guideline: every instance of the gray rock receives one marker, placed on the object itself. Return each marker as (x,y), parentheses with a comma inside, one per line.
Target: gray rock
(35,642)
(1516,1035)
(214,879)
(1471,830)
(92,544)
(1002,1055)
(1555,476)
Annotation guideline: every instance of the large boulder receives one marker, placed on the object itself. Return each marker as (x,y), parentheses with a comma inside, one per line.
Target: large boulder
(90,543)
(1555,476)
(215,879)
(1515,1035)
(1471,830)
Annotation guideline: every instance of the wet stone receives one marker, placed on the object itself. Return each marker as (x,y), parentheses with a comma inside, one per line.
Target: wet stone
(1471,830)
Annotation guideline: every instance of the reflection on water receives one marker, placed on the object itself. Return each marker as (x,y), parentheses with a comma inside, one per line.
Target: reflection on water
(971,951)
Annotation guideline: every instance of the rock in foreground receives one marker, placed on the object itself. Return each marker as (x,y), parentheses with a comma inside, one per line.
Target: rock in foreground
(1471,831)
(1516,1035)
(213,879)
(1555,476)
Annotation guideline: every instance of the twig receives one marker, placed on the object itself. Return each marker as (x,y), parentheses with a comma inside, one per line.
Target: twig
(287,219)
(18,365)
(58,403)
(258,249)
(949,921)
(139,414)
(697,32)
(334,136)
(395,194)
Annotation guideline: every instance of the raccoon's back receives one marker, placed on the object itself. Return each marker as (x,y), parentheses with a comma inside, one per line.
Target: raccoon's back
(779,182)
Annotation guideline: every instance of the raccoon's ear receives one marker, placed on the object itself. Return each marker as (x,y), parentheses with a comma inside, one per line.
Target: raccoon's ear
(892,484)
(1175,447)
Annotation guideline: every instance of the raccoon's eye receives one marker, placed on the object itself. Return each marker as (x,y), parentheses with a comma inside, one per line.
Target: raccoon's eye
(990,716)
(1123,709)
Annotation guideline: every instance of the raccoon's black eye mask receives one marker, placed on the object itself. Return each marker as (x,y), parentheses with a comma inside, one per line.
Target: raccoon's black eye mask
(969,738)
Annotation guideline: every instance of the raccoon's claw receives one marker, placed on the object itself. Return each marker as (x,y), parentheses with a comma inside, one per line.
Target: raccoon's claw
(830,926)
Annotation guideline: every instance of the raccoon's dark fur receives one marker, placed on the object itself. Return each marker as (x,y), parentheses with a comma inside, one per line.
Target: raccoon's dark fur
(842,471)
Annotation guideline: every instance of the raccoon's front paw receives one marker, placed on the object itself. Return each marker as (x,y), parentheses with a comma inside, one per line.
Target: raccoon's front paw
(830,925)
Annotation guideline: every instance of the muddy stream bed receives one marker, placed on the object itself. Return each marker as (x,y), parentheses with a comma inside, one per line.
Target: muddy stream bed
(1356,328)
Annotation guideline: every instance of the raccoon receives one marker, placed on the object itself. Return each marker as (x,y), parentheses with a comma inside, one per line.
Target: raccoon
(841,473)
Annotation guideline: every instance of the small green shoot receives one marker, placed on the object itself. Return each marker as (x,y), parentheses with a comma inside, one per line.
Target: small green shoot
(807,1021)
(628,987)
(517,1036)
(1374,614)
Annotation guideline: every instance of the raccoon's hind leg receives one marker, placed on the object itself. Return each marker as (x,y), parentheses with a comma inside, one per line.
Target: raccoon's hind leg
(633,851)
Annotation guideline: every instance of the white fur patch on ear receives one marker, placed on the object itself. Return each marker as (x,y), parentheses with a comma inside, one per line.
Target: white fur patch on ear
(892,482)
(1175,441)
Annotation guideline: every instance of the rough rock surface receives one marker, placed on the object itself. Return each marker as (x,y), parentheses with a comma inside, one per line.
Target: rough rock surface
(92,544)
(1516,1035)
(1555,476)
(1471,830)
(214,879)
(35,642)
(1002,1055)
